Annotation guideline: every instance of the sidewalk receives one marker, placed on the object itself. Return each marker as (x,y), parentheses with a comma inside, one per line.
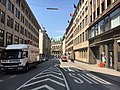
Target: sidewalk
(105,72)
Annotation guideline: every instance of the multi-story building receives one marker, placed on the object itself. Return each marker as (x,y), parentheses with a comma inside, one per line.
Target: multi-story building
(44,44)
(96,36)
(104,32)
(17,24)
(56,47)
(63,46)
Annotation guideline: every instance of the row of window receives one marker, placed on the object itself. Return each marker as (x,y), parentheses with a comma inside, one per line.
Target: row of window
(10,23)
(109,22)
(9,39)
(17,14)
(81,38)
(82,54)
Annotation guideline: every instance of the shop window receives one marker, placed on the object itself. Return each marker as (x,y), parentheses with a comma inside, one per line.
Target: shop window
(107,23)
(1,38)
(115,18)
(101,26)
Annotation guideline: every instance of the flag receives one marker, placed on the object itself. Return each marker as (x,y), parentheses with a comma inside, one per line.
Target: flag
(68,21)
(71,14)
(75,6)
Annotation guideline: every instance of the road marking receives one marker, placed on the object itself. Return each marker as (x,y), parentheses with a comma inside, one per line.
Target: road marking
(69,69)
(64,69)
(67,86)
(77,80)
(48,79)
(98,79)
(47,76)
(12,76)
(85,79)
(50,72)
(90,79)
(44,86)
(1,81)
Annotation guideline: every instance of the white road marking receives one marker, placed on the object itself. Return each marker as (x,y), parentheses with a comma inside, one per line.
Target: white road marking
(1,81)
(47,76)
(64,69)
(67,86)
(50,72)
(13,76)
(43,81)
(69,69)
(77,80)
(85,79)
(44,86)
(98,79)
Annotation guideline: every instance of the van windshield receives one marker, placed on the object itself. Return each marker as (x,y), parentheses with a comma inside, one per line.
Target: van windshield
(11,54)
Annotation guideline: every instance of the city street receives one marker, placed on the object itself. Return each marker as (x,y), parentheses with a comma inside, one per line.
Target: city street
(50,75)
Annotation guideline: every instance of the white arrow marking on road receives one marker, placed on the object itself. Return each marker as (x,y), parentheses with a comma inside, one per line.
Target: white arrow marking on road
(47,76)
(77,80)
(85,79)
(89,79)
(98,79)
(43,81)
(70,70)
(44,86)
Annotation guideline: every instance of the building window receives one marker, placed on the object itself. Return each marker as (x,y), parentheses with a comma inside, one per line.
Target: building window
(12,22)
(101,24)
(108,2)
(22,18)
(17,14)
(107,23)
(86,20)
(115,18)
(22,30)
(18,2)
(98,11)
(21,41)
(16,40)
(91,18)
(8,21)
(96,30)
(10,6)
(3,2)
(9,38)
(1,38)
(2,17)
(16,26)
(102,6)
(91,32)
(94,15)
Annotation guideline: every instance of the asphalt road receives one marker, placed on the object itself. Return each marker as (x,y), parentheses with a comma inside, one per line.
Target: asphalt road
(50,76)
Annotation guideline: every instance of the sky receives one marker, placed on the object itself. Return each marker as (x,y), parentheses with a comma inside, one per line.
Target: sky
(54,21)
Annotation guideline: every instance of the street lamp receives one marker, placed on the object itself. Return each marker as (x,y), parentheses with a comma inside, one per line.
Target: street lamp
(52,8)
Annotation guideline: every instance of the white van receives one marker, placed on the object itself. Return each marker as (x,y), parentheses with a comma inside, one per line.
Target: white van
(18,57)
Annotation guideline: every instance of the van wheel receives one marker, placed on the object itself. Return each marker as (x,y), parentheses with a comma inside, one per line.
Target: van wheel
(26,68)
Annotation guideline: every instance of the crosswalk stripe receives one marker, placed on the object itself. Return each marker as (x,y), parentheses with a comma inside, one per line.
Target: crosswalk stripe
(85,79)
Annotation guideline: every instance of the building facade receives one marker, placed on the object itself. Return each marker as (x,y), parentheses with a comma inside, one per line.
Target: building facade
(56,48)
(96,36)
(44,44)
(104,34)
(17,24)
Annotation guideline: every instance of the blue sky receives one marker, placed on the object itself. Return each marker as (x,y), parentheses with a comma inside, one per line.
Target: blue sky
(55,22)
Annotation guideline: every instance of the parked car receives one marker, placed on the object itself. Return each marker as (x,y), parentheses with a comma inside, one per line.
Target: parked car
(64,59)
